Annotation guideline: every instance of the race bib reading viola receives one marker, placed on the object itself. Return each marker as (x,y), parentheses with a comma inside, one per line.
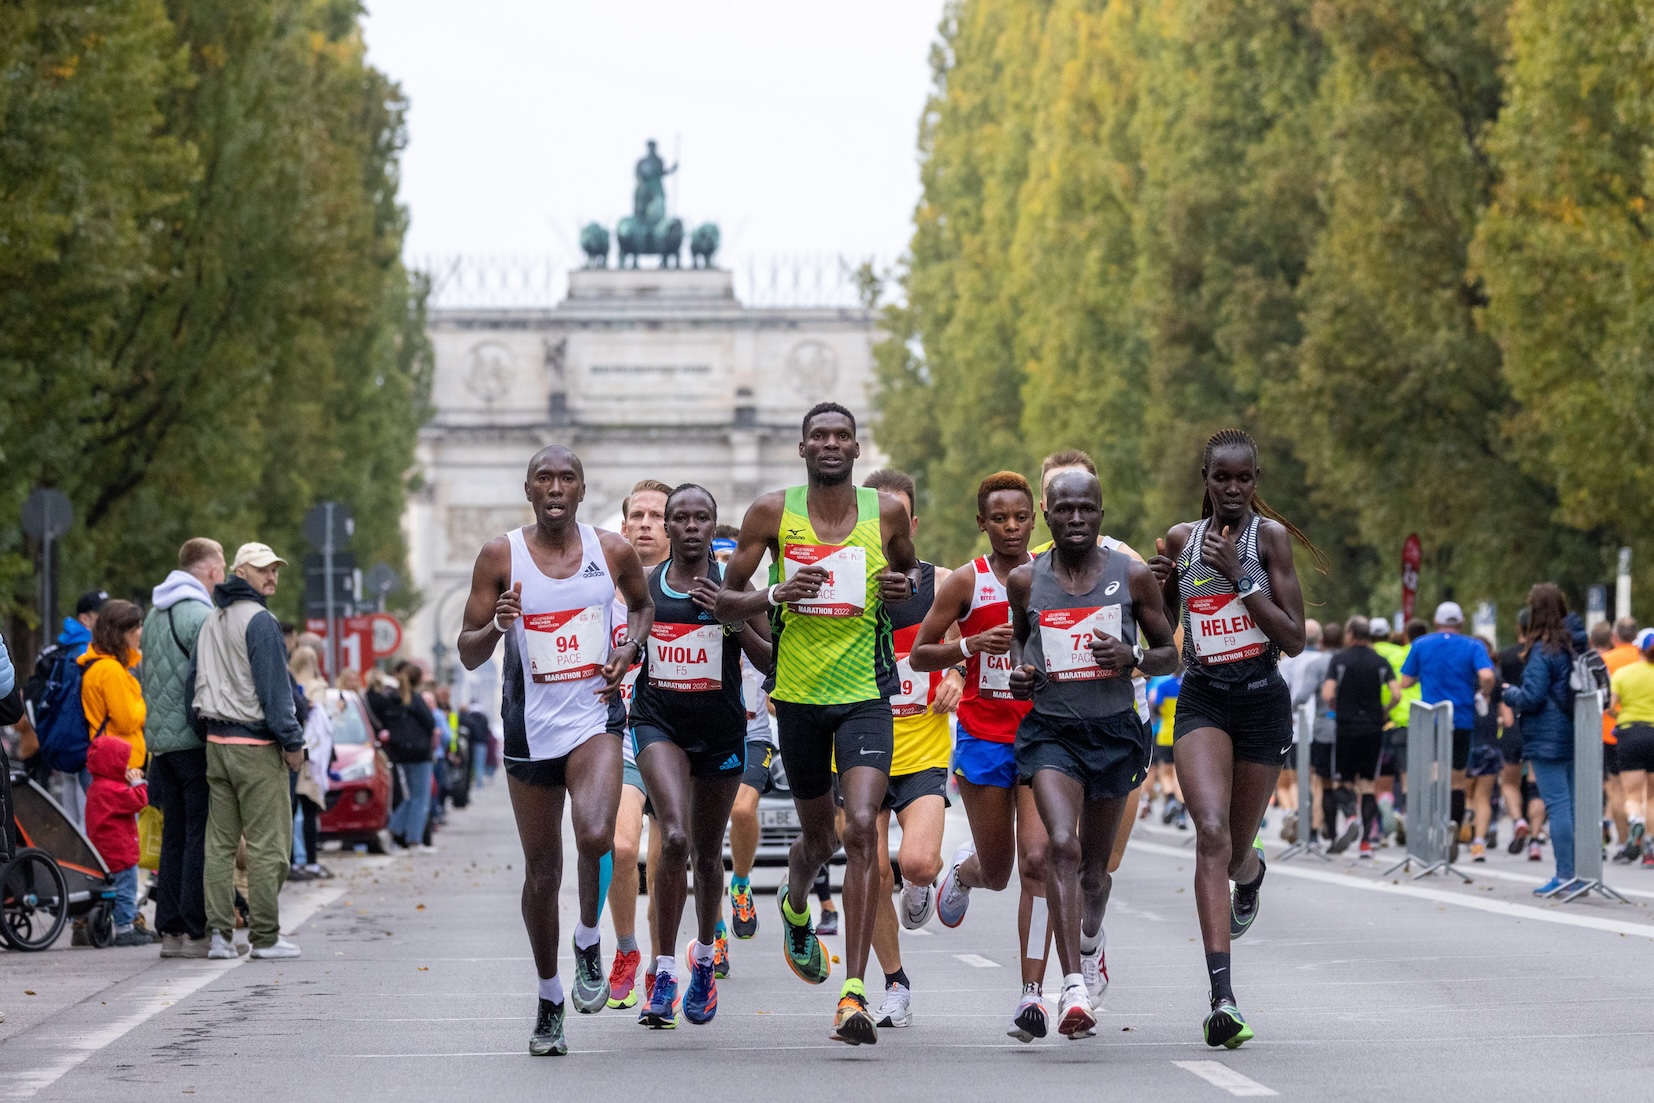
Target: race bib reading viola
(845,592)
(566,646)
(1065,636)
(1224,632)
(688,658)
(913,694)
(993,676)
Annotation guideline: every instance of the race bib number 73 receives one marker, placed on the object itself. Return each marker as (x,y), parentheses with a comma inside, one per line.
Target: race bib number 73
(1065,637)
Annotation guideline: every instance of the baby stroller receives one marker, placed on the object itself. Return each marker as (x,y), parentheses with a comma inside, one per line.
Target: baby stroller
(49,870)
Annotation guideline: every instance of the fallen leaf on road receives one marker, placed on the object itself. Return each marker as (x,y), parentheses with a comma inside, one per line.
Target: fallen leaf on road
(419,908)
(424,968)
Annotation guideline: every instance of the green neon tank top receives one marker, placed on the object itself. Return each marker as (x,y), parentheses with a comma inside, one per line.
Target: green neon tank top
(836,649)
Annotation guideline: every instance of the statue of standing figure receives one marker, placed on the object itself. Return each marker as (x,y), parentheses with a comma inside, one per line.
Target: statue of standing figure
(649,197)
(649,230)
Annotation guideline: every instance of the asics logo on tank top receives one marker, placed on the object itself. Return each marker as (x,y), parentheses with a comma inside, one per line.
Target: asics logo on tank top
(592,571)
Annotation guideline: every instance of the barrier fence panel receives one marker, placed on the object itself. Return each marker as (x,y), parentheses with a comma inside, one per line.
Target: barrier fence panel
(1303,727)
(1429,789)
(1587,802)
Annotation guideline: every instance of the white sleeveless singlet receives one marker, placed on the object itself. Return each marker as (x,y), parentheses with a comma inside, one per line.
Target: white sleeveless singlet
(563,640)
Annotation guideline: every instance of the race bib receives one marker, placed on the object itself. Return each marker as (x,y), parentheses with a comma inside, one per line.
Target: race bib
(1065,636)
(1224,632)
(566,646)
(913,695)
(845,593)
(688,658)
(993,676)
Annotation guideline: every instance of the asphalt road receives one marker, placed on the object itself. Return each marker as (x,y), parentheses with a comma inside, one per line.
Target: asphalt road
(416,984)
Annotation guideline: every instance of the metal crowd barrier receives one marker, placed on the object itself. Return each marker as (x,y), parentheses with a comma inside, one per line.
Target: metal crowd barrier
(1303,725)
(1587,803)
(1429,790)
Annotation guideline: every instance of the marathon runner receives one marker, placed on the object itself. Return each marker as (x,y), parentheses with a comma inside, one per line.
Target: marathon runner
(643,524)
(1004,822)
(1230,577)
(689,729)
(839,552)
(1082,749)
(550,586)
(918,776)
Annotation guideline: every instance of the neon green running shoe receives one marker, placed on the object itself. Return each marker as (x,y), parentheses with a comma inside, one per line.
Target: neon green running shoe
(805,954)
(1226,1027)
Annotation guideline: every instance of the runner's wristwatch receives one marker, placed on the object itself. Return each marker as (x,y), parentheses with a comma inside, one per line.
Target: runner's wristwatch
(1137,654)
(1248,586)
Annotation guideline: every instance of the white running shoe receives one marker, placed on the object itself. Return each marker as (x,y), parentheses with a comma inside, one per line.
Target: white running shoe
(224,949)
(282,949)
(1029,1021)
(1074,1017)
(1094,968)
(918,905)
(897,1009)
(954,897)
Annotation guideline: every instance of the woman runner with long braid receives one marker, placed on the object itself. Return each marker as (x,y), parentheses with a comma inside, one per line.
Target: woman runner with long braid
(1229,577)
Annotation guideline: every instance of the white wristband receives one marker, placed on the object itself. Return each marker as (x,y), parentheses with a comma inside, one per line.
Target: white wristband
(772,600)
(498,627)
(965,646)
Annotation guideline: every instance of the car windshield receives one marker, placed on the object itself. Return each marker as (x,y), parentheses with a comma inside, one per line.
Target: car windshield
(348,725)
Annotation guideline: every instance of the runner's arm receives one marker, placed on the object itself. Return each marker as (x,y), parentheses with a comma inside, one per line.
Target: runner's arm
(735,602)
(1164,567)
(1017,588)
(898,535)
(756,642)
(627,571)
(931,648)
(1281,615)
(490,598)
(1160,657)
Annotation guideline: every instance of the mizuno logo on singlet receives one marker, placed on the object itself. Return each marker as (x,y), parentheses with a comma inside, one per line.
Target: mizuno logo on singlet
(795,534)
(592,571)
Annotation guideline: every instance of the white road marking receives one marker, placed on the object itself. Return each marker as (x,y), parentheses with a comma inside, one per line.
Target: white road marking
(65,1051)
(977,960)
(1438,896)
(1220,1075)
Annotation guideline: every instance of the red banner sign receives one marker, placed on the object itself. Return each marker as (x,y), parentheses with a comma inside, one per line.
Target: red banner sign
(1412,555)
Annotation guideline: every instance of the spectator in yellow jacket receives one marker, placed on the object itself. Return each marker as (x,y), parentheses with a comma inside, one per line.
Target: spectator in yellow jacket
(109,690)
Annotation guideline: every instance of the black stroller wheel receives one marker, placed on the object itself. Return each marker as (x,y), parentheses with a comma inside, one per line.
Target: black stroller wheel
(100,925)
(34,900)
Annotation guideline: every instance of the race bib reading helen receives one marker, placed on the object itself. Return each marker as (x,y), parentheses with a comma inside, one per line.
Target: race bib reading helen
(1224,632)
(1065,636)
(688,658)
(566,646)
(845,593)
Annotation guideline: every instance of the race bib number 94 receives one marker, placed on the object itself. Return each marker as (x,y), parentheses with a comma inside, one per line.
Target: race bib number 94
(1224,632)
(566,646)
(845,594)
(688,658)
(1065,637)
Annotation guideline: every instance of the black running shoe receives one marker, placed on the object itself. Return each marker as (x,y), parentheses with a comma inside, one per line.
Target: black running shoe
(1243,903)
(591,986)
(547,1039)
(1226,1027)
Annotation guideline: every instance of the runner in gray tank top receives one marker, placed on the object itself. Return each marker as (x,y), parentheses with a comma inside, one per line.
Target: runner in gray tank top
(1075,614)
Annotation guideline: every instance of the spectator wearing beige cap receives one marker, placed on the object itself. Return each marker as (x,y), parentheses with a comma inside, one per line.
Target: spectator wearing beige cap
(244,699)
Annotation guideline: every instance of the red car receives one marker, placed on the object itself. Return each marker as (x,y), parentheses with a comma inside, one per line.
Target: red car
(359,788)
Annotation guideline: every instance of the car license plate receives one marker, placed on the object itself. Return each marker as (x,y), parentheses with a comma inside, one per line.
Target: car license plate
(777,817)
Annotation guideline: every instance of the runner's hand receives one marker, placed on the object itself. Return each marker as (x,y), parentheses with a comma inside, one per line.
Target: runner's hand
(704,593)
(994,641)
(1111,653)
(1022,682)
(803,586)
(1218,551)
(1160,566)
(894,587)
(614,671)
(509,606)
(948,693)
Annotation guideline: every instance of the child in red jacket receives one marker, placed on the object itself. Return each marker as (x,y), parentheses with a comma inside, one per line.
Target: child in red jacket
(112,803)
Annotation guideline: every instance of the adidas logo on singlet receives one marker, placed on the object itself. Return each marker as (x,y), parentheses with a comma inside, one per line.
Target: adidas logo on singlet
(592,571)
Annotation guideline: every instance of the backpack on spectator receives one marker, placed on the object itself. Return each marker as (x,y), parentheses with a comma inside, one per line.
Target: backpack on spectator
(60,718)
(1590,674)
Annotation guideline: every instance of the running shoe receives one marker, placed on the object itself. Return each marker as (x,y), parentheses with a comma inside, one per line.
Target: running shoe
(805,954)
(1029,1021)
(918,905)
(1366,850)
(1518,837)
(1648,857)
(1243,905)
(720,952)
(547,1039)
(745,914)
(648,994)
(829,920)
(1182,820)
(1094,968)
(1289,828)
(1226,1026)
(852,1024)
(1478,852)
(1552,885)
(623,979)
(1535,852)
(1351,832)
(700,999)
(897,1009)
(1493,837)
(591,989)
(954,896)
(661,1012)
(1169,811)
(1074,1017)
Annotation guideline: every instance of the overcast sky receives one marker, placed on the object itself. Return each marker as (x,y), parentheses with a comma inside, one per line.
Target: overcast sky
(795,120)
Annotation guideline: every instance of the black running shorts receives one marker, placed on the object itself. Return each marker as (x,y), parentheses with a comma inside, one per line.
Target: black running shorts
(1356,755)
(1320,760)
(760,755)
(1461,747)
(1636,747)
(1392,761)
(1108,756)
(545,772)
(712,754)
(861,733)
(1257,716)
(907,788)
